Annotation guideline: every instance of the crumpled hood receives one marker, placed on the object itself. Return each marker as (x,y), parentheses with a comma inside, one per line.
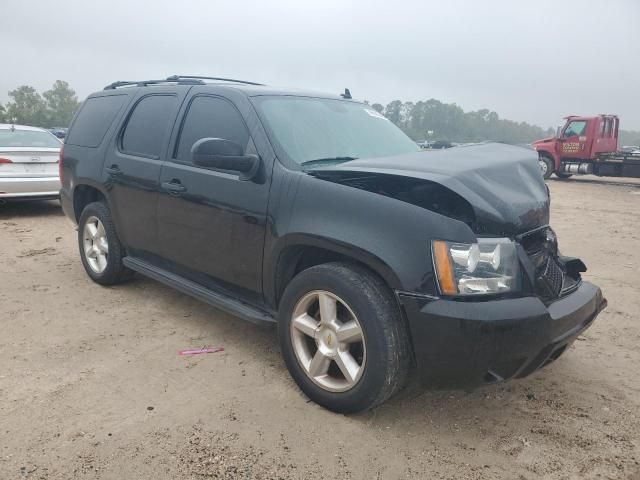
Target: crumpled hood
(502,183)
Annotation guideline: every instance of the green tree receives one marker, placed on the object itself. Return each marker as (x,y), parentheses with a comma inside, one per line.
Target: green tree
(2,113)
(26,107)
(448,121)
(393,111)
(378,107)
(61,103)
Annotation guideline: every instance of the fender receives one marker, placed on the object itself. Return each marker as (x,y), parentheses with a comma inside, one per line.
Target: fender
(389,236)
(548,146)
(87,182)
(290,246)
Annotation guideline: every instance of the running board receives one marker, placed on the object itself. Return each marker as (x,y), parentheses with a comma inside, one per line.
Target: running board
(219,300)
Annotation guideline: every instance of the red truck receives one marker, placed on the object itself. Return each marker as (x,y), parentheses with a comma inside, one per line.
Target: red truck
(586,145)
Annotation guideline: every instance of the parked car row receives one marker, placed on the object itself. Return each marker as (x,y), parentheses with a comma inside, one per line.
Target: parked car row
(435,144)
(59,132)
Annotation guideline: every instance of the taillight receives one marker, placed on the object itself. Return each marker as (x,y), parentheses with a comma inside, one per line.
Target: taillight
(60,163)
(5,160)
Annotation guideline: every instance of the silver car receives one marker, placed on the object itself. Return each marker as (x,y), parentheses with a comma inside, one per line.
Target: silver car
(28,162)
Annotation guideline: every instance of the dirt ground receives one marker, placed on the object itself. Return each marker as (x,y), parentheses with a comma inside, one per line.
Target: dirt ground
(91,385)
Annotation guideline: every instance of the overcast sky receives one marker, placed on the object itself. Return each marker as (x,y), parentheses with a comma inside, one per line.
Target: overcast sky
(535,61)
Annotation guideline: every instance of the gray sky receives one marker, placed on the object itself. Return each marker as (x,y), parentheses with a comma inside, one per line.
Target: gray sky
(535,61)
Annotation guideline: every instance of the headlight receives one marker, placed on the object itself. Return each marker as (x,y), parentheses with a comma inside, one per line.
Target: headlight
(489,266)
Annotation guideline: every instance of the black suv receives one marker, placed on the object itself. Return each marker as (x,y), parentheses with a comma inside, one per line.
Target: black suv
(316,213)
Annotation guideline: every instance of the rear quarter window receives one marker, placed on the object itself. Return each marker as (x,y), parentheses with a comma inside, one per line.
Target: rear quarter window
(94,119)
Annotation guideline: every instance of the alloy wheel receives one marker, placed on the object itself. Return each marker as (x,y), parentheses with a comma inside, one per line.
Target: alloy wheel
(96,246)
(328,341)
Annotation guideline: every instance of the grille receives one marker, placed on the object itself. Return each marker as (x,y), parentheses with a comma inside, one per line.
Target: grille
(541,248)
(552,276)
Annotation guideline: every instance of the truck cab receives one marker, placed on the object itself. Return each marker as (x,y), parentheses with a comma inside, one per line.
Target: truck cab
(577,144)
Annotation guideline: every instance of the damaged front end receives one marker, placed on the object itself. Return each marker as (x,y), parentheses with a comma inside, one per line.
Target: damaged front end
(549,274)
(497,191)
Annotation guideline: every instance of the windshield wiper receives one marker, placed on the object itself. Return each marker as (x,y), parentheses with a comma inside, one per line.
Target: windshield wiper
(328,160)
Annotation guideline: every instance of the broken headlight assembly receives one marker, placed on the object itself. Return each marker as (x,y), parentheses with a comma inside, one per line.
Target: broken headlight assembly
(487,267)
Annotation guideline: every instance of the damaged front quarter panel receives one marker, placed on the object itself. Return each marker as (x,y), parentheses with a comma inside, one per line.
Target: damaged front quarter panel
(421,193)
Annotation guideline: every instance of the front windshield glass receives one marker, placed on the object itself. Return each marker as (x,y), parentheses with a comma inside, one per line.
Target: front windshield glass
(28,138)
(575,128)
(317,130)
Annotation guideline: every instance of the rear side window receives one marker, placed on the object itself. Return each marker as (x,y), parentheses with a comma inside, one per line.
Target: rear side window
(210,117)
(148,126)
(94,119)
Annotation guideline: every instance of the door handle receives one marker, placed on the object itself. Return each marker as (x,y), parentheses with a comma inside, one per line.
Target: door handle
(174,187)
(114,170)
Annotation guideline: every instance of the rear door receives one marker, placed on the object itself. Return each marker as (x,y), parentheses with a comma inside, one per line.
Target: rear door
(133,162)
(211,223)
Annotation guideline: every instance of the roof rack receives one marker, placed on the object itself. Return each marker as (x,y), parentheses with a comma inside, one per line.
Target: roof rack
(195,77)
(178,79)
(144,83)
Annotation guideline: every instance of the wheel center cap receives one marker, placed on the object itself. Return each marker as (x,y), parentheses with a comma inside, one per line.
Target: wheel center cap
(327,341)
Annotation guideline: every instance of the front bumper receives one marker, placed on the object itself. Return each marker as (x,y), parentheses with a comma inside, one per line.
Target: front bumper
(23,187)
(468,344)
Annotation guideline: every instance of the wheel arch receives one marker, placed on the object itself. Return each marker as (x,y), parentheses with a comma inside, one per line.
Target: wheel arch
(555,160)
(303,253)
(83,195)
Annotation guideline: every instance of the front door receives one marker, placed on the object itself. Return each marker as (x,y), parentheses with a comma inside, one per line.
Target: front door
(573,142)
(211,223)
(132,167)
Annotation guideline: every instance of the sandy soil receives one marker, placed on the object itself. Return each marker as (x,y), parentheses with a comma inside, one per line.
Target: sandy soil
(91,385)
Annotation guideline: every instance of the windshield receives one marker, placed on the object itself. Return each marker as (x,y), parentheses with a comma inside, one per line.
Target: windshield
(575,128)
(28,138)
(312,130)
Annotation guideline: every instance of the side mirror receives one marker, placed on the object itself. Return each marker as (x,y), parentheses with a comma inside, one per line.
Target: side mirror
(221,154)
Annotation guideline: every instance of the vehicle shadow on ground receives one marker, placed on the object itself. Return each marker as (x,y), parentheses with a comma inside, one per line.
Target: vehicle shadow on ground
(35,208)
(415,406)
(562,391)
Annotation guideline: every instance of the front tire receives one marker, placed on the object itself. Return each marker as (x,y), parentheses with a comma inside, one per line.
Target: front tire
(546,166)
(100,248)
(563,175)
(343,338)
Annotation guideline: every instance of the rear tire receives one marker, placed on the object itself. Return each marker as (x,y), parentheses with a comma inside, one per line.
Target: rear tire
(371,341)
(100,248)
(546,166)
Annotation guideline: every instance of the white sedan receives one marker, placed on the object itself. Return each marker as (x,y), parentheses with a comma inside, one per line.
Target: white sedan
(28,162)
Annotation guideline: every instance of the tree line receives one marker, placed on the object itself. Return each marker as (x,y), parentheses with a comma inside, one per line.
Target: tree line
(54,108)
(423,120)
(435,120)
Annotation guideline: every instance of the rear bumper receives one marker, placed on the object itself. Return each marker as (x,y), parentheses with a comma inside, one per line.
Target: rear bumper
(468,344)
(19,187)
(67,205)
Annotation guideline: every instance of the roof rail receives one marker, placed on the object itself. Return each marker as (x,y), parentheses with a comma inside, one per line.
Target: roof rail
(144,83)
(175,78)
